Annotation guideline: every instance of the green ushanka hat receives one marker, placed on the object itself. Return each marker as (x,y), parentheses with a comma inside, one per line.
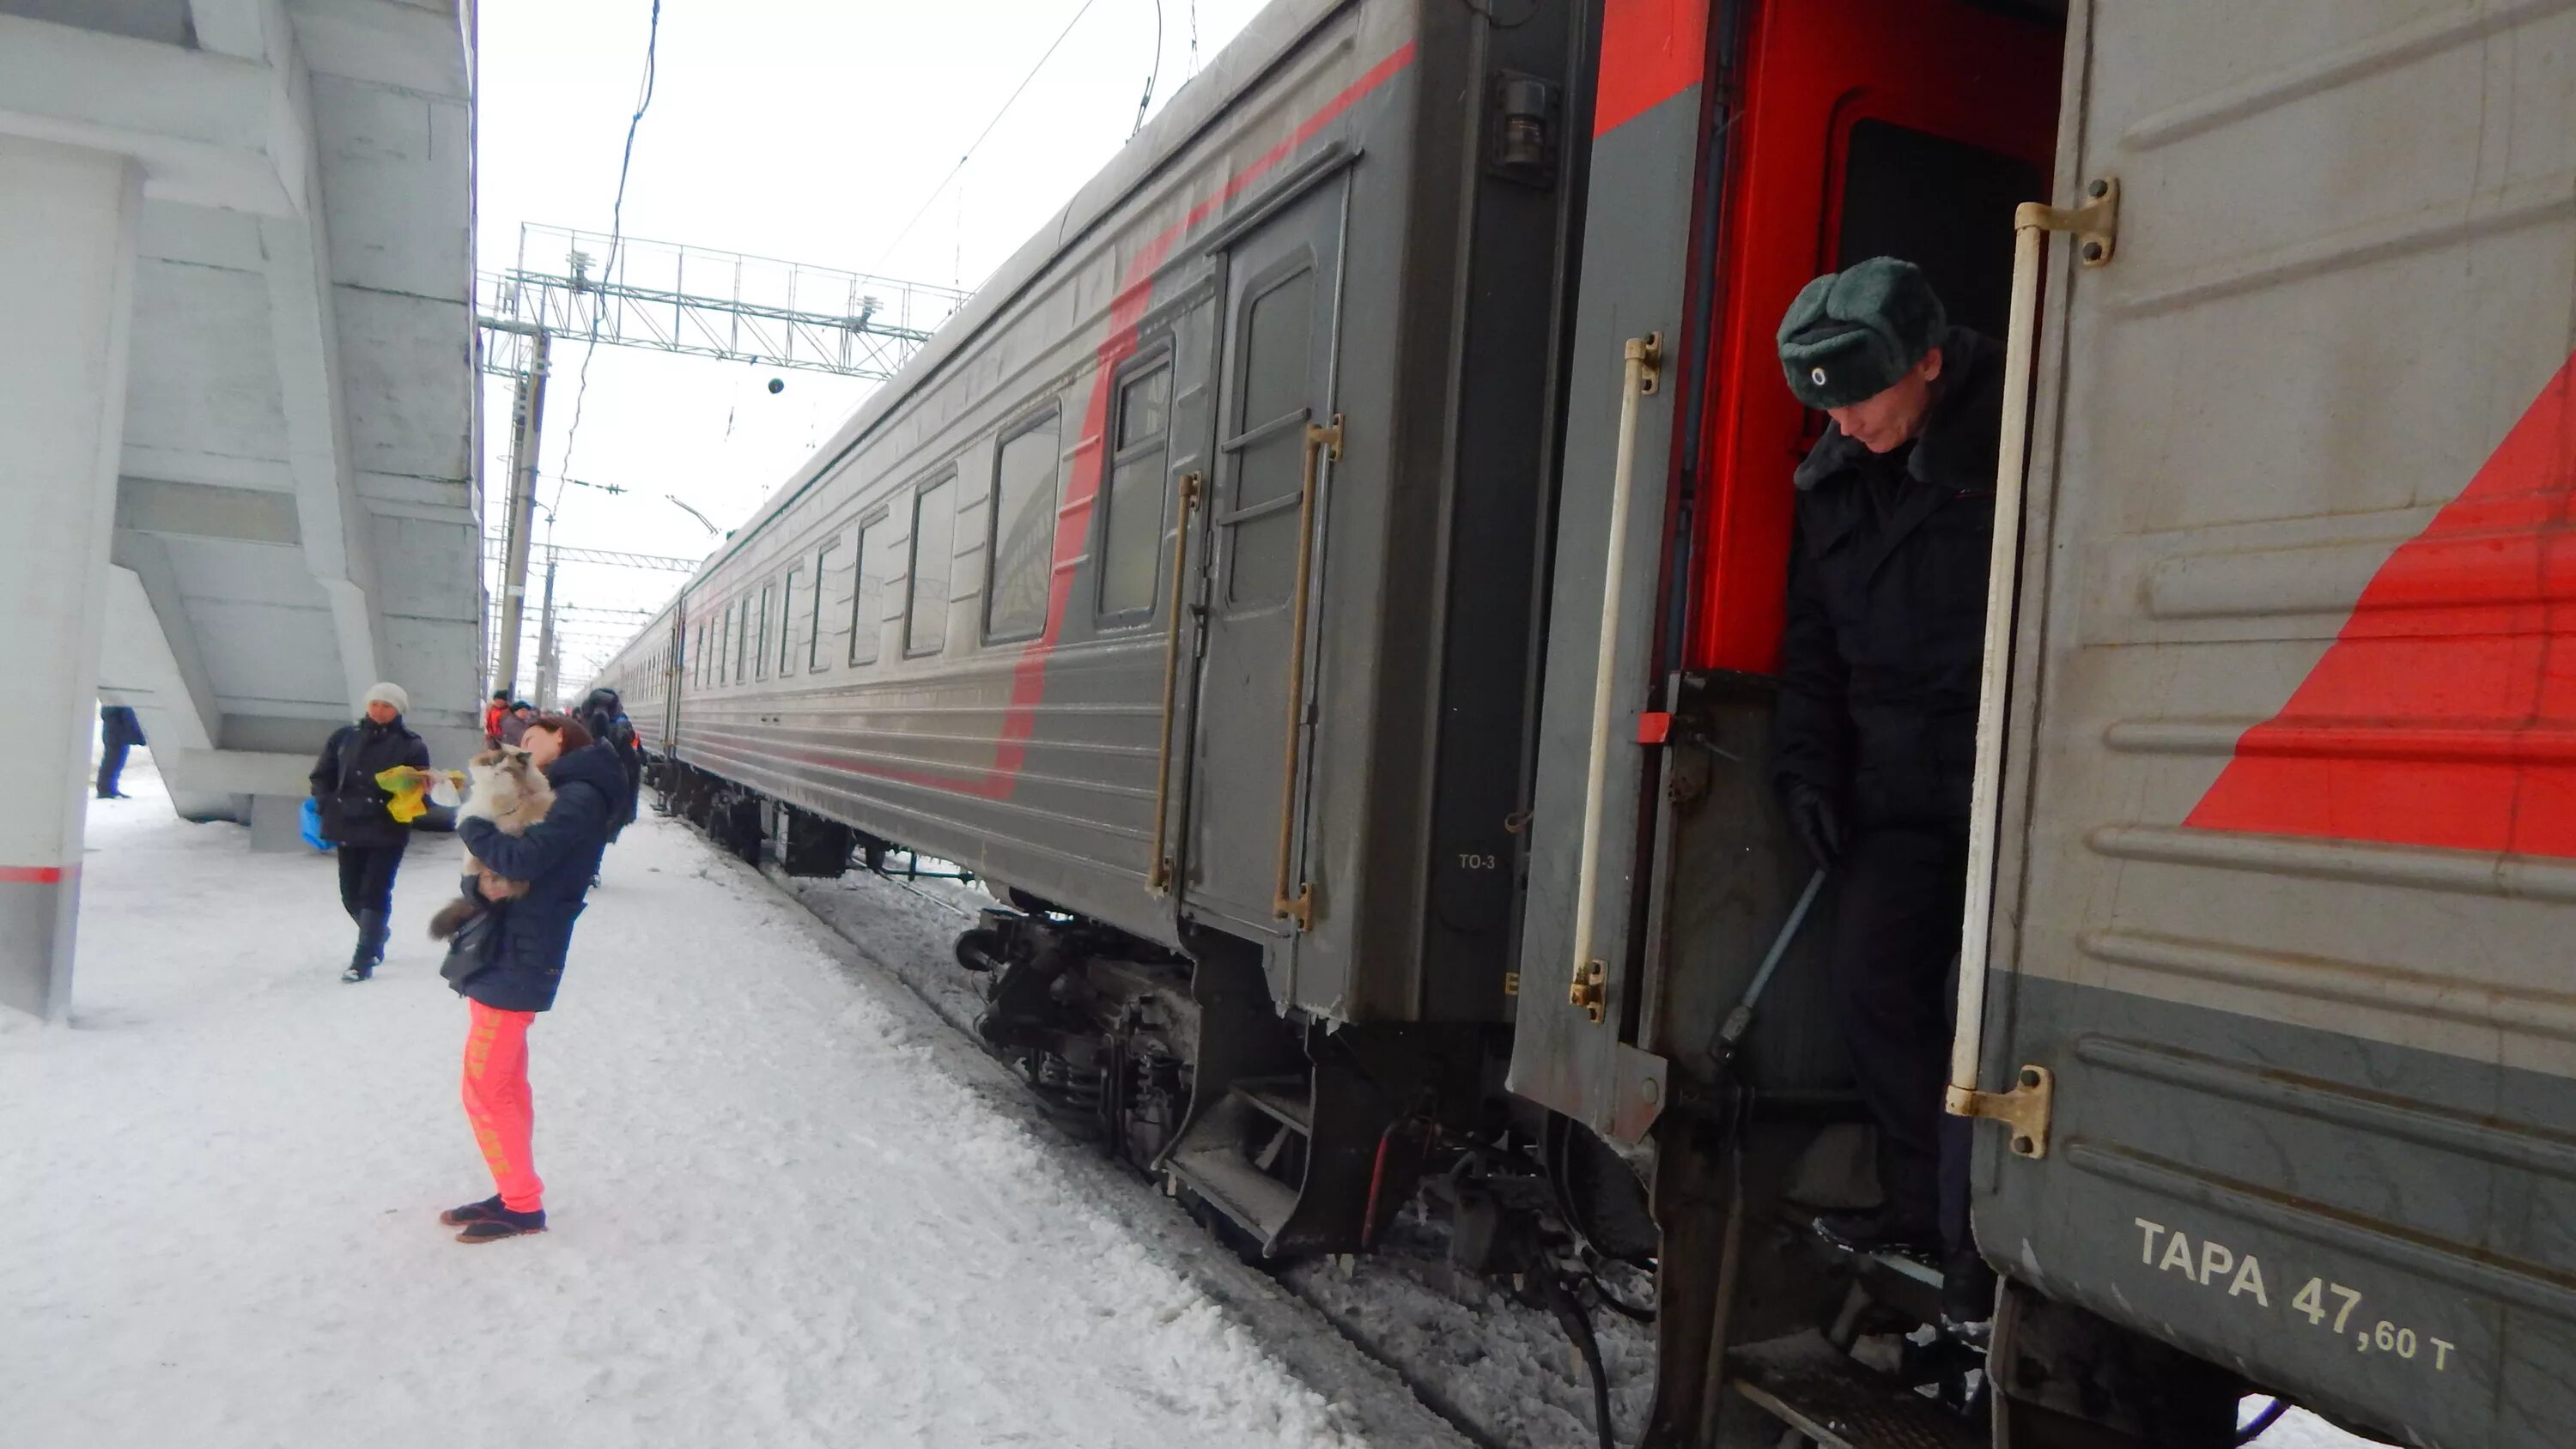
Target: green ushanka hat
(1852,334)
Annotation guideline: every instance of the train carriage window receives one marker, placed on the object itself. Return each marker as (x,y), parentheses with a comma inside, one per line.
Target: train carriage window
(760,634)
(830,588)
(1021,551)
(873,562)
(791,635)
(1132,536)
(741,639)
(1278,355)
(934,548)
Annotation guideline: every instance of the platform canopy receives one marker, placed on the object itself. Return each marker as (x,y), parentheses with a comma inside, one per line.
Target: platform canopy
(296,503)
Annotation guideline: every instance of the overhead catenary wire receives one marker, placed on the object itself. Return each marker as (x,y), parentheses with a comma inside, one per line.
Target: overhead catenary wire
(616,230)
(969,155)
(1152,75)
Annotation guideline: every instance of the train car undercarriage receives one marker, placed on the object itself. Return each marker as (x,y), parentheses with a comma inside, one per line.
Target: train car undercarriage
(1288,1139)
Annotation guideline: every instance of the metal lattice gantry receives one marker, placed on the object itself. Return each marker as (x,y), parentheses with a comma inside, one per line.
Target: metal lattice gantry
(706,303)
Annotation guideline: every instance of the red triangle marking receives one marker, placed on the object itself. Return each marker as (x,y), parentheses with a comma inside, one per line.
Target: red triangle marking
(2445,713)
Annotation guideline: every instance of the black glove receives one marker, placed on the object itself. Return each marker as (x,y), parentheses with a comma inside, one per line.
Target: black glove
(1817,819)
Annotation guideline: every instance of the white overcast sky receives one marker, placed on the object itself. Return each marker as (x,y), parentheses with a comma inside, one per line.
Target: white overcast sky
(808,130)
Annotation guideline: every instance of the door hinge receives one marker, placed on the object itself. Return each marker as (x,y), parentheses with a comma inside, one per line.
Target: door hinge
(2024,1110)
(1591,989)
(2096,224)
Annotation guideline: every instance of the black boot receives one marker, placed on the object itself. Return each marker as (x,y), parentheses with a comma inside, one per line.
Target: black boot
(473,1212)
(502,1223)
(373,928)
(1908,1219)
(1967,1296)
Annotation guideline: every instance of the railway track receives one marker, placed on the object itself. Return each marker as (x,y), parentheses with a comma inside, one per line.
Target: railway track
(1457,1359)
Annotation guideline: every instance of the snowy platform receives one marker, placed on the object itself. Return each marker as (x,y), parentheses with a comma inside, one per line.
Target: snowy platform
(791,1204)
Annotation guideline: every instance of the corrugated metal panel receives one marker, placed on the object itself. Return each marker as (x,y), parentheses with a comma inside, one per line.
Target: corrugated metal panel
(2288,799)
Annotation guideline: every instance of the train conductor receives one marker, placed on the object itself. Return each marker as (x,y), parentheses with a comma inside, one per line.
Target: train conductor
(1877,716)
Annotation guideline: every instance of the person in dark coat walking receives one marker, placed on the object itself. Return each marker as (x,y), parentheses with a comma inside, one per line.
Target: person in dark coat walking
(604,714)
(354,817)
(119,731)
(522,961)
(1877,717)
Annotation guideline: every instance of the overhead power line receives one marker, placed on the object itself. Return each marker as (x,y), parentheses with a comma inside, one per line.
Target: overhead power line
(660,563)
(616,227)
(987,131)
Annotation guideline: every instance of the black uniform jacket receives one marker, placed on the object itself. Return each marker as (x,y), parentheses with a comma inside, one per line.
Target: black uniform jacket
(1887,607)
(344,780)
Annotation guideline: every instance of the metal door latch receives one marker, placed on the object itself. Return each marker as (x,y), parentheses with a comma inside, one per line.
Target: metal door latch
(2024,1109)
(1591,989)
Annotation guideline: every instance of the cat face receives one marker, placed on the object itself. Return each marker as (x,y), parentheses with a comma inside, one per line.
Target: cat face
(502,778)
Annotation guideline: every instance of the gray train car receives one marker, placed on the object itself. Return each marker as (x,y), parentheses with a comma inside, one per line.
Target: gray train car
(1185,581)
(1408,811)
(2268,938)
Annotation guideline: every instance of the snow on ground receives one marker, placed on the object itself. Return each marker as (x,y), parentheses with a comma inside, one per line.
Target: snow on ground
(789,1208)
(1502,1367)
(791,1205)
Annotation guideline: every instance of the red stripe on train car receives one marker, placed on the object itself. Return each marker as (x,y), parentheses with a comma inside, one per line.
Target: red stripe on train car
(1651,51)
(2444,714)
(30,874)
(1073,518)
(1073,515)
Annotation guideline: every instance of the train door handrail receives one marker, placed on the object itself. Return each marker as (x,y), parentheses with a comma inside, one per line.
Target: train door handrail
(1158,874)
(1642,362)
(1321,442)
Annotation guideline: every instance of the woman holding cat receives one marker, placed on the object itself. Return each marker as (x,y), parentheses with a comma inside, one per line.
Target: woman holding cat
(524,961)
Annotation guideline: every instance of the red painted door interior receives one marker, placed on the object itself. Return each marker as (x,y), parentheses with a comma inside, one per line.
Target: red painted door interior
(1907,128)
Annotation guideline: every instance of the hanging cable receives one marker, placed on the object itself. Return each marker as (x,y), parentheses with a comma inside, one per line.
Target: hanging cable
(979,137)
(616,223)
(1194,39)
(1153,75)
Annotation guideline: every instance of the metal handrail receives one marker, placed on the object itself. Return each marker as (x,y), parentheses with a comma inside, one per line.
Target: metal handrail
(1321,442)
(2095,225)
(1158,874)
(1642,360)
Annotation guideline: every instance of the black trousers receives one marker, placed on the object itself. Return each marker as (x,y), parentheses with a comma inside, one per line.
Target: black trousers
(111,764)
(367,877)
(1896,935)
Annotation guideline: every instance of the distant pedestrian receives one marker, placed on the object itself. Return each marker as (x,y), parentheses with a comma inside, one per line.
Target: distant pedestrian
(119,731)
(516,722)
(517,964)
(604,715)
(492,716)
(355,819)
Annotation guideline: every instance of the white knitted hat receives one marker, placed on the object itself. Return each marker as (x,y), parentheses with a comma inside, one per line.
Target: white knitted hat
(391,694)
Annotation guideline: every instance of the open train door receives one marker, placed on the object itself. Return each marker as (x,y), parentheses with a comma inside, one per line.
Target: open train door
(1856,128)
(2285,818)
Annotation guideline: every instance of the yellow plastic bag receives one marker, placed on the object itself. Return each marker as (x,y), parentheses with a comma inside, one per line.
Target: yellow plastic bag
(410,788)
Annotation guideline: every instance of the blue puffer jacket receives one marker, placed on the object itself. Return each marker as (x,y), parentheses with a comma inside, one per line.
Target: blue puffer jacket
(557,858)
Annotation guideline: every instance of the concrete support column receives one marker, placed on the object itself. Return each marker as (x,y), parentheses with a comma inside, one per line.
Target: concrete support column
(67,220)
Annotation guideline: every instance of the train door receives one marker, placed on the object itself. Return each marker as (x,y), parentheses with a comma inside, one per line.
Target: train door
(1859,128)
(1265,554)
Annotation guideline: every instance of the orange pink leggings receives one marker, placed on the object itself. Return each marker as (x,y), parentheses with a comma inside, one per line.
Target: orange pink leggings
(498,1104)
